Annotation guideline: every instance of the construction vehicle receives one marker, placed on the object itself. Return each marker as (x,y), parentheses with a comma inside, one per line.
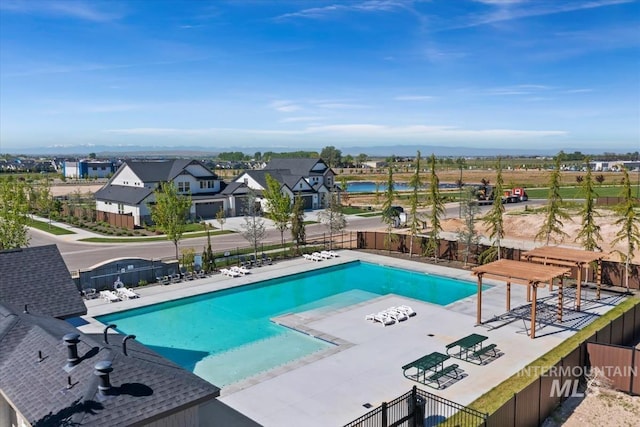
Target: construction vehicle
(485,196)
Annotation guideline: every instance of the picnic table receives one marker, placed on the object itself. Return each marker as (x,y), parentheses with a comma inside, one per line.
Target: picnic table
(431,362)
(469,345)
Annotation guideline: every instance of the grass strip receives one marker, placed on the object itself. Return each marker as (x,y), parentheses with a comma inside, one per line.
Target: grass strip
(149,239)
(48,228)
(492,400)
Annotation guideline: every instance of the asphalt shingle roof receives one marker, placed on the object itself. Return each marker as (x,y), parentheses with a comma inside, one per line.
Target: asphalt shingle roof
(297,167)
(38,277)
(145,386)
(123,194)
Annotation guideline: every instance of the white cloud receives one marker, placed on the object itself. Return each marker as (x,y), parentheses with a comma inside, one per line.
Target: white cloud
(284,106)
(342,106)
(301,119)
(365,6)
(413,98)
(82,10)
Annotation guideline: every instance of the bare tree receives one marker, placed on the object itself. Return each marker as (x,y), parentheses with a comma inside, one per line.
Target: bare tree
(333,218)
(254,230)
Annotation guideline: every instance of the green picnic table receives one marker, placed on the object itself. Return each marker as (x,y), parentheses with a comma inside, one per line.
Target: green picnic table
(471,344)
(433,364)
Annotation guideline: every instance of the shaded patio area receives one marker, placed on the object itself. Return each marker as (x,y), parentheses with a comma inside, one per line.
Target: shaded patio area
(568,257)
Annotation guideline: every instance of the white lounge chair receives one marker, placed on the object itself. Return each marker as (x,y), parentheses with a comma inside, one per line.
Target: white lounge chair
(317,256)
(241,270)
(109,296)
(397,315)
(311,257)
(407,310)
(325,255)
(228,272)
(381,318)
(127,293)
(332,254)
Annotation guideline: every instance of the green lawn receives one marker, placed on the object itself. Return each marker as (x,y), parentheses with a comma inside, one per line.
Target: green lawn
(49,228)
(576,192)
(149,239)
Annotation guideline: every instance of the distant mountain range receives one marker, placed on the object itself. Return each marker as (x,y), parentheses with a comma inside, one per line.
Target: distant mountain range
(194,151)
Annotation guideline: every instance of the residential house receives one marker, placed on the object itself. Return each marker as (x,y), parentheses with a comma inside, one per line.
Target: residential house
(312,179)
(52,374)
(130,190)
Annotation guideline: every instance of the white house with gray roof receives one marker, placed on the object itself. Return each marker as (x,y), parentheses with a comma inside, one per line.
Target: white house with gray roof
(131,189)
(312,179)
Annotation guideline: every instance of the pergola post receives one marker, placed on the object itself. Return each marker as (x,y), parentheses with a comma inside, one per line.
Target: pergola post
(533,308)
(560,296)
(528,294)
(479,306)
(579,290)
(598,278)
(508,296)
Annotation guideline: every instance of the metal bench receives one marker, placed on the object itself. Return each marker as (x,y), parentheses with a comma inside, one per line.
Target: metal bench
(485,350)
(443,372)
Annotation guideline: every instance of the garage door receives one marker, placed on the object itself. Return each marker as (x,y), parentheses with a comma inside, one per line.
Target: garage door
(308,202)
(208,210)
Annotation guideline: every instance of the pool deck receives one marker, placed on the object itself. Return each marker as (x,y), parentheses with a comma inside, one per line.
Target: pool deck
(329,388)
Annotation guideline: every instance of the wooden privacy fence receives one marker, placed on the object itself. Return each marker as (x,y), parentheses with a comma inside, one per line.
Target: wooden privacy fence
(450,250)
(116,220)
(603,350)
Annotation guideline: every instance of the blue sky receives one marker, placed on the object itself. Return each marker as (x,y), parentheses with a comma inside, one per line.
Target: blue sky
(228,75)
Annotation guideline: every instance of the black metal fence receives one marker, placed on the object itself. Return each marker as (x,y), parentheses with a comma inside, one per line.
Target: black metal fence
(420,408)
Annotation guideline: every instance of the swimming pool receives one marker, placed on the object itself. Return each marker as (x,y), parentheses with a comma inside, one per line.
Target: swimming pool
(227,335)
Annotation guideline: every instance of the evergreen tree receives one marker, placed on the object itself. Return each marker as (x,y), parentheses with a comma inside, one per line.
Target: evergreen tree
(208,259)
(494,219)
(589,235)
(552,224)
(416,184)
(170,212)
(437,212)
(628,223)
(469,236)
(389,214)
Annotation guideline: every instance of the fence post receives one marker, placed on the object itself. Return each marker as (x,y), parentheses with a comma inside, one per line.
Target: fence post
(384,414)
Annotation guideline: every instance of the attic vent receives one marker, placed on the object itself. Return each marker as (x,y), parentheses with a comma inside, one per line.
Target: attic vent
(102,371)
(71,341)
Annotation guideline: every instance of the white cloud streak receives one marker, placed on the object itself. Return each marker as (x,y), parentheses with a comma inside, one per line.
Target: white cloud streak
(86,11)
(371,6)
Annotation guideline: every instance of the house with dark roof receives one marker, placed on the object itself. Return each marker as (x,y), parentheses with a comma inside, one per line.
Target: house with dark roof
(130,189)
(51,374)
(311,179)
(38,279)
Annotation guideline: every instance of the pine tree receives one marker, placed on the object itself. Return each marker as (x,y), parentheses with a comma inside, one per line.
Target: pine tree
(552,224)
(469,236)
(494,219)
(416,184)
(628,223)
(437,211)
(589,235)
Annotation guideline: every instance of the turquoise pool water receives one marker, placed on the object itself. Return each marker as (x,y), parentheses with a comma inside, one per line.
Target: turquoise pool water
(225,336)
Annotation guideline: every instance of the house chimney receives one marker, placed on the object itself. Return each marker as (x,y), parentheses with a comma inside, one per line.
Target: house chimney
(124,343)
(106,329)
(71,341)
(102,370)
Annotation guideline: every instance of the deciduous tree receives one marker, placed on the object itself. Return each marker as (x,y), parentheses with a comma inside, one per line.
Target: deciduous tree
(331,155)
(254,230)
(170,212)
(298,232)
(278,206)
(14,209)
(389,214)
(333,218)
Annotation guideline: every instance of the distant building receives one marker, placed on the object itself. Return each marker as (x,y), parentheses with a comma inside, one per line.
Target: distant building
(615,165)
(88,169)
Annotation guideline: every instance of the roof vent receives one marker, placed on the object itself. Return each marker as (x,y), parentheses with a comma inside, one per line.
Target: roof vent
(106,329)
(71,341)
(102,370)
(124,343)
(26,309)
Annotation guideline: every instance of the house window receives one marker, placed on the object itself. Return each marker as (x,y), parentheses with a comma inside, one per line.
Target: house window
(207,184)
(120,208)
(184,187)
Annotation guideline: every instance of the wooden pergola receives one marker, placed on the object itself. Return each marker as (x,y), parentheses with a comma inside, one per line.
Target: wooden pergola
(522,273)
(567,257)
